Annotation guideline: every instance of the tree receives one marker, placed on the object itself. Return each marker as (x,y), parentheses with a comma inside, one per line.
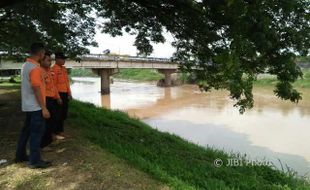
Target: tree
(61,25)
(5,3)
(226,43)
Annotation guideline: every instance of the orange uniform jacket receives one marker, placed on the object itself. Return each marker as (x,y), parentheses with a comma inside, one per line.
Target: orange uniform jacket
(50,85)
(61,79)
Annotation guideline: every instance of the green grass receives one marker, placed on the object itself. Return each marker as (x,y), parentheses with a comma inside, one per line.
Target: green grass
(139,74)
(272,81)
(33,182)
(11,83)
(305,82)
(268,81)
(127,74)
(303,59)
(170,159)
(13,79)
(82,73)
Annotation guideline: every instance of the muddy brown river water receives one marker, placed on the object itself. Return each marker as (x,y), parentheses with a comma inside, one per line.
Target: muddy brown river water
(273,130)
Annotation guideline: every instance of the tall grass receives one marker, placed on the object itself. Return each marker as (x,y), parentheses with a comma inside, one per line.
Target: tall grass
(82,73)
(170,159)
(127,74)
(11,83)
(139,74)
(300,83)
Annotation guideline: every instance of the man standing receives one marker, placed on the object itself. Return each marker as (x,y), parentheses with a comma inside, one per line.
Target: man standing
(52,100)
(33,103)
(63,87)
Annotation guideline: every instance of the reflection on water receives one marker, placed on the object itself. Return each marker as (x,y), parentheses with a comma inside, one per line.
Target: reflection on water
(273,129)
(124,95)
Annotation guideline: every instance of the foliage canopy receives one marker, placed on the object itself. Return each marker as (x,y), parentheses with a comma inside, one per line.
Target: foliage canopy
(226,43)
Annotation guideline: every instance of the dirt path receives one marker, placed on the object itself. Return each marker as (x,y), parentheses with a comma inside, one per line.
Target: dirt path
(77,164)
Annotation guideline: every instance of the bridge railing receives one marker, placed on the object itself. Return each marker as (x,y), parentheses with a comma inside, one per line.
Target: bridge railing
(123,58)
(103,57)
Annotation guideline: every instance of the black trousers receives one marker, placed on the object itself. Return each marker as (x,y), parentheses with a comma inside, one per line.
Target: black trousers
(51,123)
(62,113)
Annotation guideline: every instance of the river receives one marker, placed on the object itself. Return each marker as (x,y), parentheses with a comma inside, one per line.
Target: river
(273,130)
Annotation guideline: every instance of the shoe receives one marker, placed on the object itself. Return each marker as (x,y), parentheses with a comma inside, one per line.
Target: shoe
(18,160)
(47,162)
(47,149)
(64,135)
(59,137)
(41,164)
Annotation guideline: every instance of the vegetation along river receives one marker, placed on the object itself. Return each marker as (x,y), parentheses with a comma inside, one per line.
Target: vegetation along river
(273,130)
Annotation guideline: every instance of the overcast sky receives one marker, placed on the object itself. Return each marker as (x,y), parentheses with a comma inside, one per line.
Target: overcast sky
(124,45)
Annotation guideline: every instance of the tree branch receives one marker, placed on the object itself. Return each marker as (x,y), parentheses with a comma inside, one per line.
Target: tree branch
(5,3)
(6,16)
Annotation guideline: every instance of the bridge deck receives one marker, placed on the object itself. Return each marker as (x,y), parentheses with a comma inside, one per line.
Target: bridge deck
(103,61)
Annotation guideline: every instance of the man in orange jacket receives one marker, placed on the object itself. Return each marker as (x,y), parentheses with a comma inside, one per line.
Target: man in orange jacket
(63,86)
(34,105)
(53,100)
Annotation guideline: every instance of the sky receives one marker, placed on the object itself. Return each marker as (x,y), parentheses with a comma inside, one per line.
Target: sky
(124,45)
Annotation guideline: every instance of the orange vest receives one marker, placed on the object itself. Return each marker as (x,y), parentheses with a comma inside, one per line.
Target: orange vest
(61,79)
(50,86)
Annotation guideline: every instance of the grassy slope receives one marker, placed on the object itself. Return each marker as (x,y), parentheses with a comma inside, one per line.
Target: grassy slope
(170,159)
(152,75)
(300,83)
(82,73)
(127,74)
(77,163)
(13,82)
(139,74)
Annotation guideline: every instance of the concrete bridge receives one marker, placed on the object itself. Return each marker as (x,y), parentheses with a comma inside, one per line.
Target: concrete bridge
(106,65)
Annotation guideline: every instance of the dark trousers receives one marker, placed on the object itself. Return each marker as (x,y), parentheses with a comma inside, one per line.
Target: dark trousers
(62,113)
(52,106)
(34,128)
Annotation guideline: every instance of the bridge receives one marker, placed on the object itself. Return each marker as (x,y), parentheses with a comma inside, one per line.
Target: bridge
(106,65)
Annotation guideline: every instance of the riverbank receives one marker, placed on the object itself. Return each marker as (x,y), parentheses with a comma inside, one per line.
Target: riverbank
(153,75)
(77,162)
(170,159)
(124,74)
(166,158)
(139,75)
(12,82)
(271,80)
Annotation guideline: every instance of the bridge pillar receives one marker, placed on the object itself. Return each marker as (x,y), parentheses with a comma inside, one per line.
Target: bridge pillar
(167,73)
(106,101)
(105,78)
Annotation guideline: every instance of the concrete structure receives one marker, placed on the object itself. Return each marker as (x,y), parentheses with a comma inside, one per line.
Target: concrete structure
(167,73)
(105,75)
(105,66)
